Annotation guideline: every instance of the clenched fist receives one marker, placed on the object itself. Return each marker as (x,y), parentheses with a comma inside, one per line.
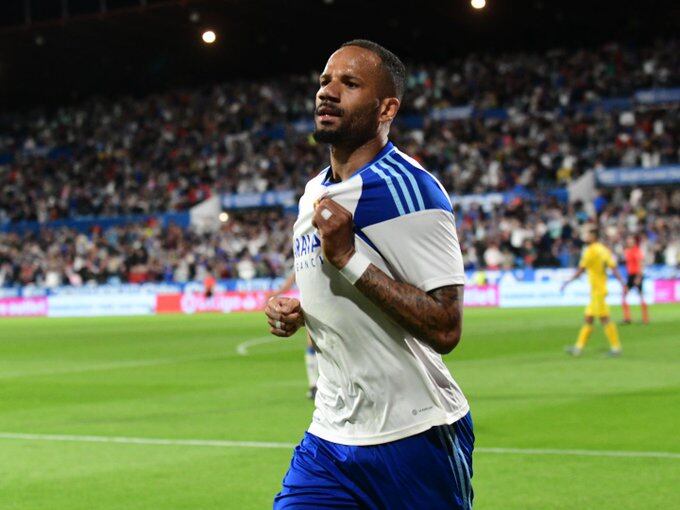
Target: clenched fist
(336,230)
(284,315)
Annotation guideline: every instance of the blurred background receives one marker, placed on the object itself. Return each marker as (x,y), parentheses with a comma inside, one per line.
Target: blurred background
(129,126)
(152,154)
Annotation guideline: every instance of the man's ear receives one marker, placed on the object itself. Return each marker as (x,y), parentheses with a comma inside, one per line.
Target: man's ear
(389,108)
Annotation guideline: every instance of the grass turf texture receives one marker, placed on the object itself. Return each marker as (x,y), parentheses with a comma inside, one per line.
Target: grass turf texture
(180,377)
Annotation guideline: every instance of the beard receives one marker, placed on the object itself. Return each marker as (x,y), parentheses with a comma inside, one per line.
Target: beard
(332,135)
(353,129)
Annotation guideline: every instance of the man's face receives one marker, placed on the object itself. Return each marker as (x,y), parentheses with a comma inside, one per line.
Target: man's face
(588,236)
(348,100)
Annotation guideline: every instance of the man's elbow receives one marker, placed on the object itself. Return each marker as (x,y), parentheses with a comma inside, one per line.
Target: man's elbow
(446,341)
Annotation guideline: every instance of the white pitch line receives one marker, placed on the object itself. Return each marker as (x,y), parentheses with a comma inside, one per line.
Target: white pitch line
(145,440)
(580,453)
(101,367)
(279,445)
(114,365)
(243,347)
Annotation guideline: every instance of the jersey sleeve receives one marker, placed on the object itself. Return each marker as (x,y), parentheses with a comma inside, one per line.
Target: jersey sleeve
(405,214)
(421,249)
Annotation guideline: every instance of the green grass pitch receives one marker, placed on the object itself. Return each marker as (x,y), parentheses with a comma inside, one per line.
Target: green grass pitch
(181,378)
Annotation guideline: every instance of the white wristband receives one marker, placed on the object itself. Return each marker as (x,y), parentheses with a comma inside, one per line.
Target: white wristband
(356,266)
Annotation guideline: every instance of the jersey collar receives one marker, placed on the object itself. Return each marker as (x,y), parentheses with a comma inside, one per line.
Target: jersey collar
(389,146)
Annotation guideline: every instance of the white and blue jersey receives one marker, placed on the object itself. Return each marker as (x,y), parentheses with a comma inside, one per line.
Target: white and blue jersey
(377,382)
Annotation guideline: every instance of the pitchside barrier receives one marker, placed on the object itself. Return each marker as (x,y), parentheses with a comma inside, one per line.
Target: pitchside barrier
(505,289)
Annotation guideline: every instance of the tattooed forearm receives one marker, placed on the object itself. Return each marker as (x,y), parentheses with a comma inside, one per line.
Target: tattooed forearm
(436,317)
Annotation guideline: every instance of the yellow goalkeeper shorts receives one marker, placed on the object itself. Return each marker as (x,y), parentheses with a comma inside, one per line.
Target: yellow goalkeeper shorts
(597,307)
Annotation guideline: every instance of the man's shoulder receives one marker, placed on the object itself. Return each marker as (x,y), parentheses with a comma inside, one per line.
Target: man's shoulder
(429,189)
(600,253)
(587,251)
(397,185)
(604,250)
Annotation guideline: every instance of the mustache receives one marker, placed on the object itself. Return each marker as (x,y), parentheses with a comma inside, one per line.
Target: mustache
(329,109)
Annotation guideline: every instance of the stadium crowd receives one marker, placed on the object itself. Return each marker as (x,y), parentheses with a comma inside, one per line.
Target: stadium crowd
(546,233)
(519,234)
(532,83)
(251,244)
(169,151)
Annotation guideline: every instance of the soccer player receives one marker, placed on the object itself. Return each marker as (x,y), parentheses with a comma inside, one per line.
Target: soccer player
(380,274)
(595,260)
(634,266)
(311,363)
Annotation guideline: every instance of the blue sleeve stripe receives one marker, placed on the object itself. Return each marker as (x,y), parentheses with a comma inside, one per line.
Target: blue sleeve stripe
(411,179)
(390,186)
(402,185)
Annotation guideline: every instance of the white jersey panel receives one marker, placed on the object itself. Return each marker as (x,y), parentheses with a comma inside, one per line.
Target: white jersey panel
(426,252)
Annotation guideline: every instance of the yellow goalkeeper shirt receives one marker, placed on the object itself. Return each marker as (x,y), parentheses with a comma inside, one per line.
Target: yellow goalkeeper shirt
(595,260)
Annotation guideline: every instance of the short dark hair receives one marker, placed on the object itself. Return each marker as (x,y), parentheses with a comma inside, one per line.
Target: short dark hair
(392,66)
(594,230)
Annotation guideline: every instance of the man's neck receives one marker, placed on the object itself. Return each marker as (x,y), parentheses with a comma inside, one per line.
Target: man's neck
(345,161)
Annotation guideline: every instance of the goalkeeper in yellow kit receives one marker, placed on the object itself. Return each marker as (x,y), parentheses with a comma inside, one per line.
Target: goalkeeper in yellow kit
(595,260)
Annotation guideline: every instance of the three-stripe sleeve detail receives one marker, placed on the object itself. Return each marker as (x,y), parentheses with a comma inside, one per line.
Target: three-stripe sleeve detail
(411,178)
(402,185)
(390,186)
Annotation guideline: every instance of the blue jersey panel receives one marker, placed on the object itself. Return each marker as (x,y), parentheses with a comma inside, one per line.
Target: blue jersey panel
(380,201)
(426,190)
(392,187)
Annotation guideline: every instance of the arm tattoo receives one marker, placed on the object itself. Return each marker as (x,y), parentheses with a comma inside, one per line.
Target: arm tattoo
(434,317)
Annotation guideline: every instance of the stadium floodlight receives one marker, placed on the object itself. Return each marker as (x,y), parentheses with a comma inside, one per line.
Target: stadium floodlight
(209,37)
(478,4)
(224,217)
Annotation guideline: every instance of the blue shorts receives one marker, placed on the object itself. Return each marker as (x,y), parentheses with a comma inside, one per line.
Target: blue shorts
(431,470)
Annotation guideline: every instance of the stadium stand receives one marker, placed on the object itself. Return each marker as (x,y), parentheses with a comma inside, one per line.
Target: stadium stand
(525,125)
(252,244)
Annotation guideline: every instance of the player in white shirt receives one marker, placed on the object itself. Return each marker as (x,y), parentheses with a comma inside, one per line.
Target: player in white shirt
(381,278)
